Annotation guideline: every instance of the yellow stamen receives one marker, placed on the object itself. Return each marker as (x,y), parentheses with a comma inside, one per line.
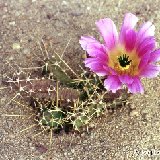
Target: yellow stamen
(124,62)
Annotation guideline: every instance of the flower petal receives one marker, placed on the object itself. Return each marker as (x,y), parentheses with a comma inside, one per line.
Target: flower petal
(93,47)
(96,66)
(130,39)
(109,32)
(110,70)
(130,20)
(147,30)
(89,61)
(112,83)
(150,71)
(144,61)
(146,46)
(98,69)
(126,79)
(136,86)
(155,56)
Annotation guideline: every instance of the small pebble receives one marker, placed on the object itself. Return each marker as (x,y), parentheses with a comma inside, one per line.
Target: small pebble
(65,153)
(41,157)
(16,46)
(72,150)
(132,106)
(2,101)
(134,113)
(12,23)
(11,58)
(88,8)
(64,2)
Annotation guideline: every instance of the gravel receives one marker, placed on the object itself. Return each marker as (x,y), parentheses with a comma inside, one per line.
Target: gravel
(128,134)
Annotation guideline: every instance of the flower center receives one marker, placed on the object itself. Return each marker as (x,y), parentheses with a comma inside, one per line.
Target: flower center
(124,61)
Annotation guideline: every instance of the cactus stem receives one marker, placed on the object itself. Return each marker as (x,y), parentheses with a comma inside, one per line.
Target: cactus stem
(47,54)
(31,68)
(4,88)
(65,48)
(67,65)
(28,128)
(57,93)
(18,94)
(39,133)
(14,115)
(50,141)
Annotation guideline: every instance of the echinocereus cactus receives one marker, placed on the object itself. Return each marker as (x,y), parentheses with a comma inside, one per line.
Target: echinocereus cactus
(123,58)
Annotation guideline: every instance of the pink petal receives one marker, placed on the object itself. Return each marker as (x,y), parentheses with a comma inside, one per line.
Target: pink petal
(147,30)
(126,79)
(109,70)
(86,40)
(147,45)
(144,60)
(96,66)
(99,66)
(112,83)
(93,47)
(89,61)
(130,39)
(136,86)
(130,20)
(155,56)
(109,32)
(150,71)
(98,69)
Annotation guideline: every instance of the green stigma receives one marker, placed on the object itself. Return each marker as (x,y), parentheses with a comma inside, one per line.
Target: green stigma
(124,60)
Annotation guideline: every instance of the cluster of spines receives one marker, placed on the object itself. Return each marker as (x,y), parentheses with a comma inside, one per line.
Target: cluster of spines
(57,107)
(76,115)
(75,103)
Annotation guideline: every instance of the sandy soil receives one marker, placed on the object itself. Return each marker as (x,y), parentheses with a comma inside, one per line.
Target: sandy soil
(126,135)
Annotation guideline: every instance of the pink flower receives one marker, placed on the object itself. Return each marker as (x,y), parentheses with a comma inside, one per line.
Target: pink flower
(123,58)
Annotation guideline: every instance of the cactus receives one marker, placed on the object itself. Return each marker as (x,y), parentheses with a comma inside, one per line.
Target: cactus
(52,118)
(62,99)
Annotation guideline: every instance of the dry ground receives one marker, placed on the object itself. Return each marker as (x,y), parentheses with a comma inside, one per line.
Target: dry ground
(123,136)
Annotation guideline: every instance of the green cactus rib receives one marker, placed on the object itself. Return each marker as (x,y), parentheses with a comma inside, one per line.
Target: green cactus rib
(64,102)
(52,118)
(57,73)
(91,102)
